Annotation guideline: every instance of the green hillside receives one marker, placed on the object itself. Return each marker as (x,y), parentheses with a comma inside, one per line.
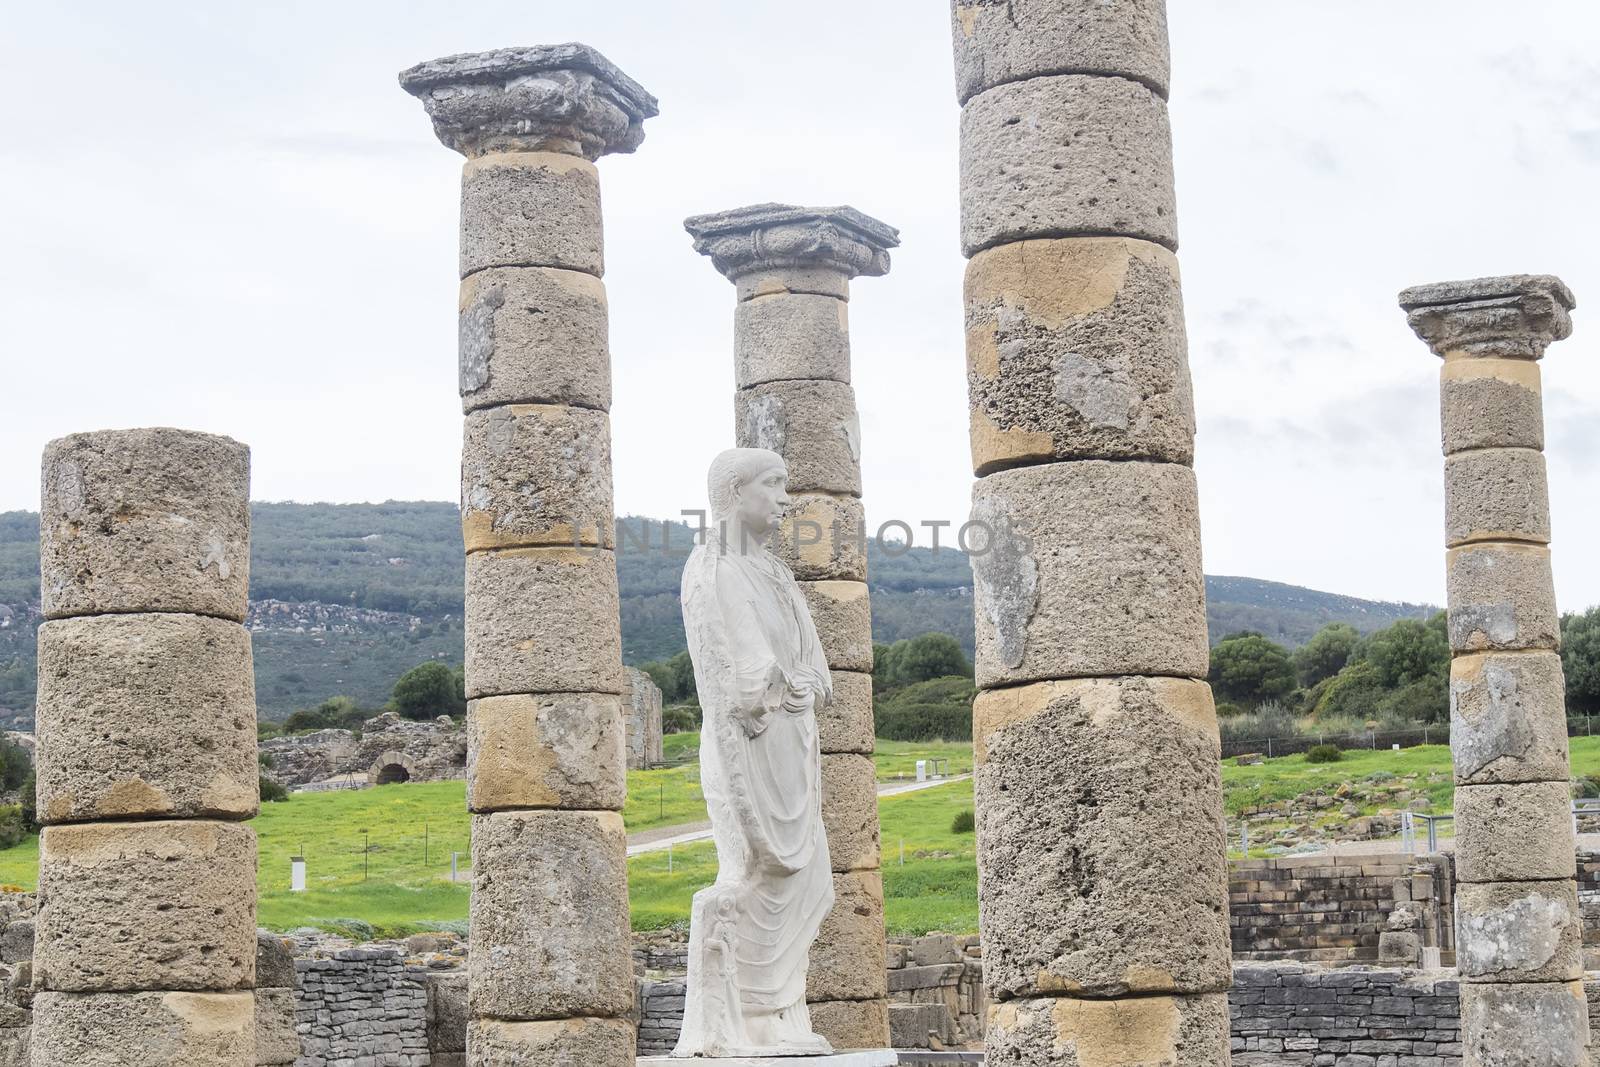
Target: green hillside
(346,597)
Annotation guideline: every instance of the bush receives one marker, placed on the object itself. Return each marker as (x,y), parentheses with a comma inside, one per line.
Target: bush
(922,722)
(15,764)
(272,792)
(428,690)
(1324,754)
(1269,720)
(29,805)
(963,823)
(682,719)
(13,825)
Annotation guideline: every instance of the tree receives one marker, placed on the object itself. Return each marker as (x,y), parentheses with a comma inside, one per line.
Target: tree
(1326,654)
(428,690)
(1248,669)
(1580,660)
(919,659)
(675,678)
(15,765)
(1408,651)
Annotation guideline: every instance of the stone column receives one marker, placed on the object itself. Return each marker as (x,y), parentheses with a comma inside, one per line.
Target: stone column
(1101,853)
(146,934)
(792,268)
(1518,928)
(551,977)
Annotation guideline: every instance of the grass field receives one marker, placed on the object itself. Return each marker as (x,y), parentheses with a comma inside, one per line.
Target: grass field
(395,877)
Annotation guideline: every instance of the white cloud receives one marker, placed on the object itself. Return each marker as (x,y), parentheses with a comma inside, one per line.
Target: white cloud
(233,219)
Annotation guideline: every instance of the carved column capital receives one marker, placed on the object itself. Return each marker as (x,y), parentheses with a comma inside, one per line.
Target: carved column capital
(765,237)
(553,98)
(1516,316)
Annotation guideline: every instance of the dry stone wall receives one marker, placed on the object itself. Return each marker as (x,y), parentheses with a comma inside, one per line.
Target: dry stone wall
(430,751)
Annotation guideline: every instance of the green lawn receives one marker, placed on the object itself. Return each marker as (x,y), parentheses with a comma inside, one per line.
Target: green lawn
(404,888)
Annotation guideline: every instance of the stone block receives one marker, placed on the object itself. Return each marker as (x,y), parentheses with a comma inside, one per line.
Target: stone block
(851,1024)
(1088,568)
(1101,851)
(1496,494)
(813,281)
(845,725)
(550,750)
(549,916)
(277,1041)
(447,1013)
(1519,932)
(274,961)
(791,337)
(812,425)
(1076,350)
(1000,41)
(934,949)
(146,716)
(1510,833)
(1542,1024)
(1399,948)
(1490,403)
(823,538)
(1064,1032)
(531,209)
(142,906)
(147,1029)
(534,335)
(1508,718)
(542,620)
(536,474)
(554,1043)
(1063,156)
(847,957)
(850,811)
(843,617)
(145,520)
(1501,596)
(921,1026)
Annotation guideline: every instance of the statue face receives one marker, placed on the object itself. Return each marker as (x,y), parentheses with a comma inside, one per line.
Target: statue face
(762,501)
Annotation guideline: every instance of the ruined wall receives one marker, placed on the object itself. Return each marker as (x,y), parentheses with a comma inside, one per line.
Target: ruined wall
(431,751)
(641,704)
(1335,908)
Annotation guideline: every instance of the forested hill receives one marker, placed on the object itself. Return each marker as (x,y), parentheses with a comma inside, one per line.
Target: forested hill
(345,597)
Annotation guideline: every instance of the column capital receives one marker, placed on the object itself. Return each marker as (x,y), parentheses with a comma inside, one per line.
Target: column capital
(549,98)
(768,237)
(1512,317)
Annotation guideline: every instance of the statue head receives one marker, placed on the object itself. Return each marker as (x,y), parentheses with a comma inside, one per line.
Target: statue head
(749,488)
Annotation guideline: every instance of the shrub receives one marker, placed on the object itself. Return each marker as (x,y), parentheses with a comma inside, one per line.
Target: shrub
(1324,754)
(922,722)
(13,827)
(682,719)
(963,823)
(272,792)
(29,805)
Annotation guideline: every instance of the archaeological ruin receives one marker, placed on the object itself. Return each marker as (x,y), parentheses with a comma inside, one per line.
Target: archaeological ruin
(1113,930)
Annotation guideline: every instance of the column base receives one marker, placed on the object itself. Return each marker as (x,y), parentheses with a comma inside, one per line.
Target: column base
(873,1057)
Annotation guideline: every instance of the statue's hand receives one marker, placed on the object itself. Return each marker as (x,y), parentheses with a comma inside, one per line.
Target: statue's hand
(799,699)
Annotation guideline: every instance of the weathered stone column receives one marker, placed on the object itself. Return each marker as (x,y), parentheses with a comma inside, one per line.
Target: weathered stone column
(146,935)
(1518,928)
(792,267)
(1101,854)
(551,977)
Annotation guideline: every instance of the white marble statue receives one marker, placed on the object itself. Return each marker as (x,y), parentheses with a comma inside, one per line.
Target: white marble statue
(762,678)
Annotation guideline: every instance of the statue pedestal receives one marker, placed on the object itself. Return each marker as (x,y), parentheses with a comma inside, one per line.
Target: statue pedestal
(872,1057)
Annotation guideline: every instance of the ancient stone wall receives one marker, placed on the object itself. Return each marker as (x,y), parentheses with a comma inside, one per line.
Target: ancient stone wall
(936,995)
(1336,908)
(434,750)
(641,705)
(361,1003)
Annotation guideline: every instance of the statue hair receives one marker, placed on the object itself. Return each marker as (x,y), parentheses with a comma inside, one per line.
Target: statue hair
(733,468)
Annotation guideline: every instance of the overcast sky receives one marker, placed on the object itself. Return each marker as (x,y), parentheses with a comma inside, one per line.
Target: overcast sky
(230,218)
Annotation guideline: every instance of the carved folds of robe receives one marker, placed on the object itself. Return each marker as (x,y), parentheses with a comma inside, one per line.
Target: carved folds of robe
(762,677)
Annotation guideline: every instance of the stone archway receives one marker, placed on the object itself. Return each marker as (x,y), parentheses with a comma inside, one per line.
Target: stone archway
(390,768)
